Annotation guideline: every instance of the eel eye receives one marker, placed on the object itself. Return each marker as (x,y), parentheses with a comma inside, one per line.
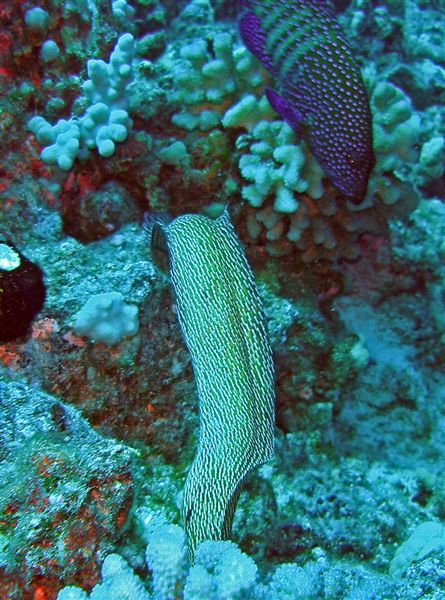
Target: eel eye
(188,515)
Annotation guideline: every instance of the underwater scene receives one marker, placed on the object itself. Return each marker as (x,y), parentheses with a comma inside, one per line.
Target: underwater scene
(222,299)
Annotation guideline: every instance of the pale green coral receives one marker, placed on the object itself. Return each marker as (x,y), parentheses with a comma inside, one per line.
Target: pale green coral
(248,112)
(396,128)
(221,571)
(431,161)
(166,557)
(104,123)
(276,166)
(207,81)
(404,158)
(118,583)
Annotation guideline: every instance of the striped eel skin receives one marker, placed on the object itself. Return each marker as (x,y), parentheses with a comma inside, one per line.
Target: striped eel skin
(224,328)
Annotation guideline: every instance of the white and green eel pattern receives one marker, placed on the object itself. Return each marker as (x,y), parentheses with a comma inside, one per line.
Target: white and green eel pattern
(224,328)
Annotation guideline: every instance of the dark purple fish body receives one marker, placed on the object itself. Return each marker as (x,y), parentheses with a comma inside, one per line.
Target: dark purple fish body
(319,89)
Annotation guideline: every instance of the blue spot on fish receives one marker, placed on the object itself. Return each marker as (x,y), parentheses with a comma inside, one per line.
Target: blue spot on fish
(319,89)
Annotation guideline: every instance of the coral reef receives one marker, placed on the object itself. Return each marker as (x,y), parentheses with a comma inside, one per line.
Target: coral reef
(99,414)
(65,493)
(107,318)
(105,122)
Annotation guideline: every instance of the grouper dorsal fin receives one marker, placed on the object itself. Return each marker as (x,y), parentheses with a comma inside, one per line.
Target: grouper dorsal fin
(255,39)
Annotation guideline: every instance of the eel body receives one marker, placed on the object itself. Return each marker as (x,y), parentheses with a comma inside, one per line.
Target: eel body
(224,328)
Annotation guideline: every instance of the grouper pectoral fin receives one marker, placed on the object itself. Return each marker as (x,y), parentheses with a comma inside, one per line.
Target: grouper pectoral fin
(290,114)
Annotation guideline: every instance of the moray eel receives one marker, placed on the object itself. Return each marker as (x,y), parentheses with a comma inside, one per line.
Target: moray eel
(319,89)
(224,328)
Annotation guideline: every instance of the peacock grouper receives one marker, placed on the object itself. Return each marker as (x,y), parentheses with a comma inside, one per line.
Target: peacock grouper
(319,89)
